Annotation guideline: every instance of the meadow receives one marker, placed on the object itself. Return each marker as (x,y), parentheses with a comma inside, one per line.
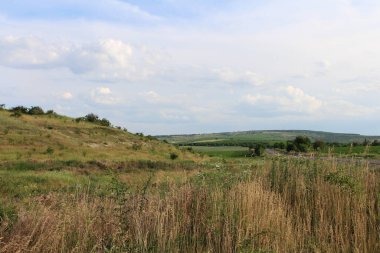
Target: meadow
(116,197)
(269,205)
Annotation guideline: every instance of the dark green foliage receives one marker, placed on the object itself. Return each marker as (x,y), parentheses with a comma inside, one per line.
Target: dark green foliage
(51,113)
(19,109)
(149,137)
(300,144)
(49,151)
(104,122)
(318,145)
(259,149)
(173,156)
(16,114)
(93,118)
(290,146)
(36,110)
(279,145)
(375,143)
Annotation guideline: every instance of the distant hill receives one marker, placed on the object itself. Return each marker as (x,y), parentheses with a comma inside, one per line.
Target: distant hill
(268,136)
(56,137)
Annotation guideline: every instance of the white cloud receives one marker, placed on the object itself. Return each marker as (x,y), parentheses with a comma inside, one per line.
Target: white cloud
(28,52)
(103,95)
(287,100)
(231,76)
(173,115)
(103,60)
(152,96)
(67,95)
(342,109)
(301,101)
(103,90)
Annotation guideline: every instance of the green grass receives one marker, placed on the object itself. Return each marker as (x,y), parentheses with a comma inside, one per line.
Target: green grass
(221,151)
(269,136)
(48,137)
(360,151)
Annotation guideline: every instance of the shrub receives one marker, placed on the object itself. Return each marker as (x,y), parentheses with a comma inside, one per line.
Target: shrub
(49,151)
(16,114)
(91,117)
(290,146)
(259,149)
(318,145)
(21,109)
(36,110)
(105,122)
(173,156)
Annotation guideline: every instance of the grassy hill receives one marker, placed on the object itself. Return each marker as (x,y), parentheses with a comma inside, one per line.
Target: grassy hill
(40,154)
(55,137)
(68,185)
(267,136)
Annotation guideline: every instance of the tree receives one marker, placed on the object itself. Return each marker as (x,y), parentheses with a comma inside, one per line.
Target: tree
(279,145)
(318,145)
(290,146)
(259,149)
(91,117)
(173,156)
(36,110)
(105,122)
(20,109)
(302,143)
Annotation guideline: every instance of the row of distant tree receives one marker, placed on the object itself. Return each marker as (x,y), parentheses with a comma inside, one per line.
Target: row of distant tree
(299,144)
(93,118)
(34,110)
(18,111)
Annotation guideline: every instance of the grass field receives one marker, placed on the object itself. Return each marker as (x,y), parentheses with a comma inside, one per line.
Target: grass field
(370,151)
(121,198)
(270,137)
(221,151)
(280,205)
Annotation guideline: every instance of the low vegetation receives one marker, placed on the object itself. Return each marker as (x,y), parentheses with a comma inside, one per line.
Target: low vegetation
(80,186)
(280,205)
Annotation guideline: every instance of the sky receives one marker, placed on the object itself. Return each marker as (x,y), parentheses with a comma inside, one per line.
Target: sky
(176,66)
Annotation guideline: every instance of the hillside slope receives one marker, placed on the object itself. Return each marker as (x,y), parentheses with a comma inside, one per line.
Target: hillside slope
(55,137)
(268,136)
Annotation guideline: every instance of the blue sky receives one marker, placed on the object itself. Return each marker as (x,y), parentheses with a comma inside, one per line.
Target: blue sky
(167,66)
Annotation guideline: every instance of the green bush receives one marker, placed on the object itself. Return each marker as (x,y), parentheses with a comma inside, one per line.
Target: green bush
(173,156)
(36,110)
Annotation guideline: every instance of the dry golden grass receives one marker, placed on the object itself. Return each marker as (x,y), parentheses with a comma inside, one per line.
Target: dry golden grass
(281,206)
(47,137)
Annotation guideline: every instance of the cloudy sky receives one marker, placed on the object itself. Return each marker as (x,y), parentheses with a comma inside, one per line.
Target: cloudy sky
(176,66)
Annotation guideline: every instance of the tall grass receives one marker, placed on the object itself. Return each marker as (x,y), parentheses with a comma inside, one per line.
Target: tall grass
(280,206)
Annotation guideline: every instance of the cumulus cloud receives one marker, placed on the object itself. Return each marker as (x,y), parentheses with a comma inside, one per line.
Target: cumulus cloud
(152,97)
(103,95)
(103,90)
(287,100)
(342,109)
(103,60)
(28,52)
(239,77)
(67,95)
